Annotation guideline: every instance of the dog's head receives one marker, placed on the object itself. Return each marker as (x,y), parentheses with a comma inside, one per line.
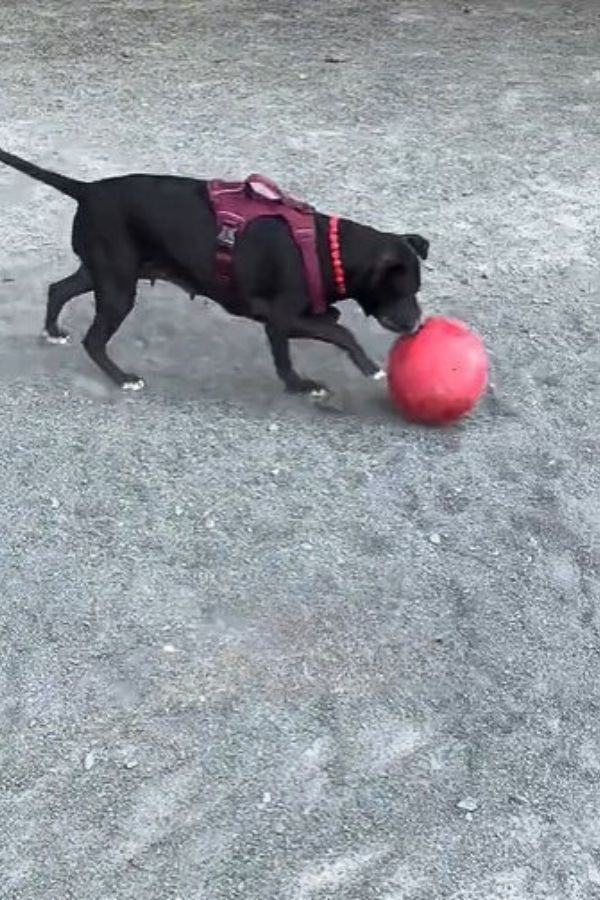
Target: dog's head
(390,293)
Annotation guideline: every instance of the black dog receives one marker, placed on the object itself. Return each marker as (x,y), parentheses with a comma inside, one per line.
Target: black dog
(163,227)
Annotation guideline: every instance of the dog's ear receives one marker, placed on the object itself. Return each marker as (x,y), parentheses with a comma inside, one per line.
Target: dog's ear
(419,244)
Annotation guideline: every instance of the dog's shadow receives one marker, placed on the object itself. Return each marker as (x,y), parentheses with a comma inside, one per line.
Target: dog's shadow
(195,353)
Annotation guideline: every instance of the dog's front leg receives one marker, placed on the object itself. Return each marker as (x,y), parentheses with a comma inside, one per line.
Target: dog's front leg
(321,328)
(279,341)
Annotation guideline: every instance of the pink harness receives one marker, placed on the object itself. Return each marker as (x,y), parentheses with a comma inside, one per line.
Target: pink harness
(237,203)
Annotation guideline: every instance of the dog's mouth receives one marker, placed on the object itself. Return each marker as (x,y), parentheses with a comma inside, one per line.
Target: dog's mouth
(390,324)
(416,326)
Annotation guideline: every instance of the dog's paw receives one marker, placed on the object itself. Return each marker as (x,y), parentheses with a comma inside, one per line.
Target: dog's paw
(307,386)
(133,383)
(380,375)
(58,339)
(327,401)
(320,393)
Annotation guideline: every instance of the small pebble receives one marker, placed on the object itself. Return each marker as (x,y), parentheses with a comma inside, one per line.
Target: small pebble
(168,648)
(266,798)
(178,510)
(469,804)
(131,763)
(435,538)
(54,503)
(89,761)
(273,427)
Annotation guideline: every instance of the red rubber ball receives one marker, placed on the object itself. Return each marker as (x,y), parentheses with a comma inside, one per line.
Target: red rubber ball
(438,374)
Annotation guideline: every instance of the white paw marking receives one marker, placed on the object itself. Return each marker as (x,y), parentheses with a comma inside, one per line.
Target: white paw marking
(379,376)
(56,340)
(319,393)
(133,385)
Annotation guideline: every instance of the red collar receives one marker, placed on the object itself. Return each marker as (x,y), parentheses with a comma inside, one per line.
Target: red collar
(335,255)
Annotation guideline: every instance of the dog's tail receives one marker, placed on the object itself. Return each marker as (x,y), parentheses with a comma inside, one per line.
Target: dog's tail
(69,186)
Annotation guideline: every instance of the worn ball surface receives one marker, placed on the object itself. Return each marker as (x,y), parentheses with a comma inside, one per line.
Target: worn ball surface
(438,374)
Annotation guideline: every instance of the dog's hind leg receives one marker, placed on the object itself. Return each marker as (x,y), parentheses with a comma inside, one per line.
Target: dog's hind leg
(114,302)
(109,317)
(59,293)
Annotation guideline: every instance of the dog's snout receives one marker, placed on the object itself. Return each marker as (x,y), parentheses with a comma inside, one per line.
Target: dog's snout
(401,324)
(417,325)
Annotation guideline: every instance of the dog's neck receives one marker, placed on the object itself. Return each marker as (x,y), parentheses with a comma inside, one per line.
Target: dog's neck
(358,246)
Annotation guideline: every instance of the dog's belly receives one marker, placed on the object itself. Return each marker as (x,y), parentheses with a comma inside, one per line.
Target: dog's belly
(155,273)
(226,297)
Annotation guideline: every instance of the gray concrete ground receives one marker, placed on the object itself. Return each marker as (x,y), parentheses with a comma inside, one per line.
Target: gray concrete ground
(252,649)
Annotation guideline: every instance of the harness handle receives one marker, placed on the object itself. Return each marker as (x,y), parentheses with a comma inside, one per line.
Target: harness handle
(264,188)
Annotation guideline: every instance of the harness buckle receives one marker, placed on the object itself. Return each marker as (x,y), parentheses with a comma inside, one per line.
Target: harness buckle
(226,236)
